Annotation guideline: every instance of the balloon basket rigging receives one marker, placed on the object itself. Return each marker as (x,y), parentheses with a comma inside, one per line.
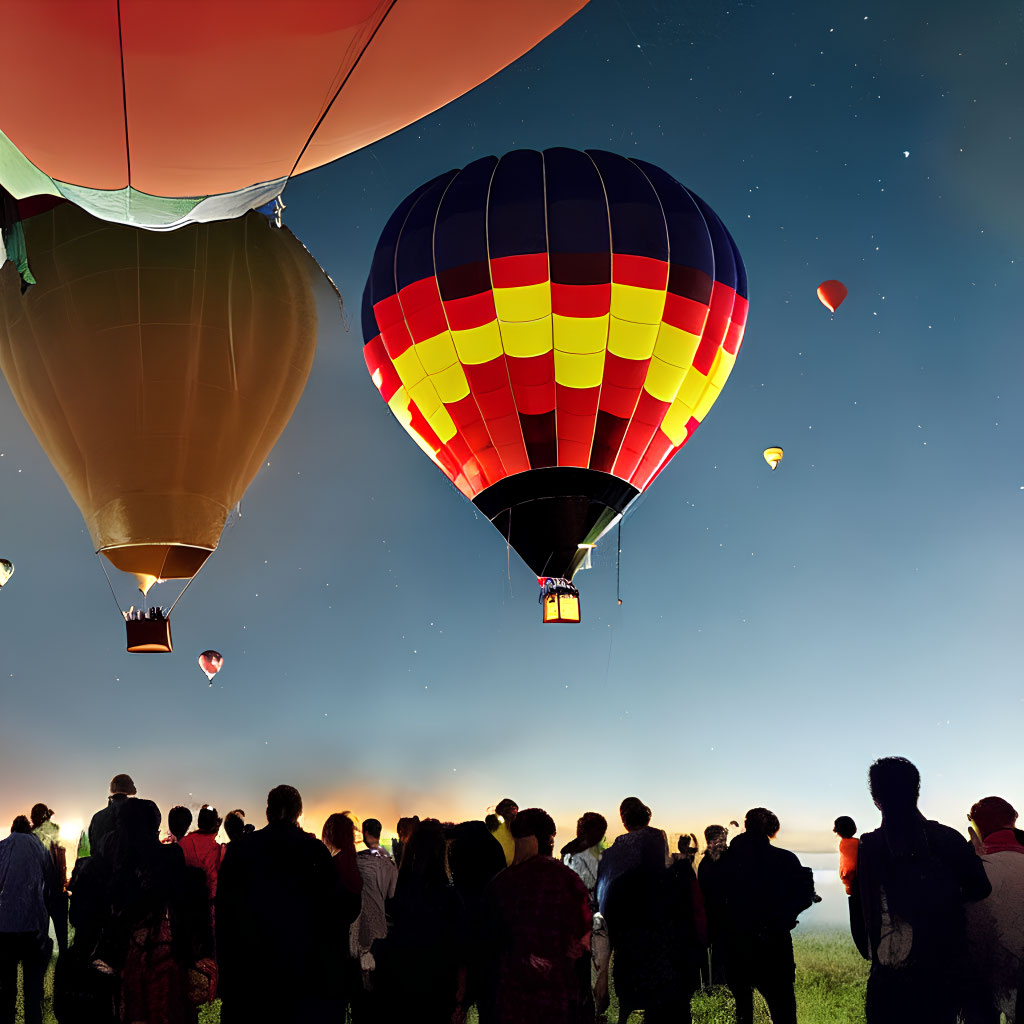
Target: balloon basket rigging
(559,599)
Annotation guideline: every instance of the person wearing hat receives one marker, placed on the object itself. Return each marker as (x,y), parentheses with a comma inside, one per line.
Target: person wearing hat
(995,925)
(121,787)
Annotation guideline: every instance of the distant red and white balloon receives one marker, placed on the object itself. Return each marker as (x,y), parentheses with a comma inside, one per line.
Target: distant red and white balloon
(211,662)
(831,294)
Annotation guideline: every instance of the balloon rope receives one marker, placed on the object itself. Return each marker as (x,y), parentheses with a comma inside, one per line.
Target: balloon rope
(618,565)
(508,553)
(109,584)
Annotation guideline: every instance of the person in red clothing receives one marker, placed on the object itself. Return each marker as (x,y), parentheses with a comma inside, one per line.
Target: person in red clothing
(202,850)
(537,926)
(846,828)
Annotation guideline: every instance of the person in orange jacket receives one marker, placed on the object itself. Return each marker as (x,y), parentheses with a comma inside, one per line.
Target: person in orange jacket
(846,828)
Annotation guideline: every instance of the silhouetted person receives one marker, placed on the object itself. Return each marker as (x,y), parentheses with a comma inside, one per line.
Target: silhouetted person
(379,875)
(423,963)
(121,787)
(538,924)
(131,917)
(913,877)
(583,855)
(404,829)
(21,826)
(505,812)
(179,821)
(339,837)
(27,887)
(474,858)
(641,845)
(711,877)
(995,925)
(277,896)
(766,888)
(47,831)
(652,915)
(846,828)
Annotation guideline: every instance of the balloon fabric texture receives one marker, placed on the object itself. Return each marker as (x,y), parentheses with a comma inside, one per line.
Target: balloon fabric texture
(260,92)
(551,328)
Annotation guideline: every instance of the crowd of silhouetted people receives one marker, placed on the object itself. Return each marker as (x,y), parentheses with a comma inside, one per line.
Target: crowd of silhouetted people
(284,927)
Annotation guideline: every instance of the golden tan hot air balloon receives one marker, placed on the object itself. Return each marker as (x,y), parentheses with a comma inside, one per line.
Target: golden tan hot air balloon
(157,370)
(773,456)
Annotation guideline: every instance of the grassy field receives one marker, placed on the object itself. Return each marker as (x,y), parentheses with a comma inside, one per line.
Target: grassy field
(830,979)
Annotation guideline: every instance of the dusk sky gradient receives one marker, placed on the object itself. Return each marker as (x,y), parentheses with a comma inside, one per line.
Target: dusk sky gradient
(778,631)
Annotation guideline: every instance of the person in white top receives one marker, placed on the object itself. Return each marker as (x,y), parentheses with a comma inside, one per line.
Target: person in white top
(582,855)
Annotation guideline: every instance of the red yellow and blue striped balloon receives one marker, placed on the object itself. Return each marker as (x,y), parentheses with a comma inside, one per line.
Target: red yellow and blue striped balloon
(551,328)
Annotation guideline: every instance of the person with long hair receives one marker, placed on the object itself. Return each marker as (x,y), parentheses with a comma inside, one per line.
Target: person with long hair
(339,836)
(422,967)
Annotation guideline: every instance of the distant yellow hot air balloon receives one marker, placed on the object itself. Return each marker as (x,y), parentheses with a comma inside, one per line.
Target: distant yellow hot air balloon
(6,571)
(773,456)
(157,370)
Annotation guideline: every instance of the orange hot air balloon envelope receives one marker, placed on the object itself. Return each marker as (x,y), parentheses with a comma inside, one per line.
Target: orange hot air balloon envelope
(157,370)
(831,294)
(155,112)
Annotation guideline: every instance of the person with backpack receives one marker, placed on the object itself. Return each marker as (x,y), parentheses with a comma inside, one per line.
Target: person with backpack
(913,878)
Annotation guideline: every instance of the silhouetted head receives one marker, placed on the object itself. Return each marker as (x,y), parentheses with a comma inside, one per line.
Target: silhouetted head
(22,825)
(406,827)
(895,784)
(687,846)
(493,822)
(761,822)
(339,832)
(715,833)
(634,813)
(426,854)
(371,832)
(507,809)
(234,824)
(208,820)
(992,814)
(845,827)
(39,814)
(284,803)
(122,785)
(535,822)
(140,819)
(178,820)
(591,828)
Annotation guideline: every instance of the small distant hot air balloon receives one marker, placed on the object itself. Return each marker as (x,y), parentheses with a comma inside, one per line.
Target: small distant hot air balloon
(831,294)
(211,662)
(773,456)
(6,571)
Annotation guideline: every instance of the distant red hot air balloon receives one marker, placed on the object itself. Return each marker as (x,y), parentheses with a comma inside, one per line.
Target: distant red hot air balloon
(211,662)
(831,294)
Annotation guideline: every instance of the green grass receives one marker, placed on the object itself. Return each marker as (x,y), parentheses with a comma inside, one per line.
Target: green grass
(830,980)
